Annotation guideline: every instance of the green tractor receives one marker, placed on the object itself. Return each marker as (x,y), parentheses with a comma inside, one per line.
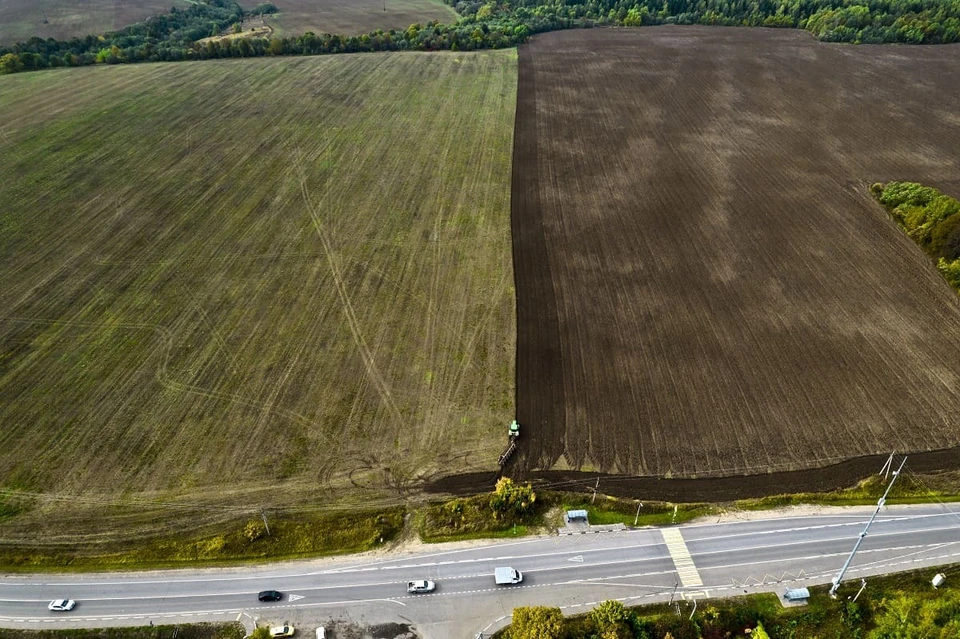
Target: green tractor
(514,435)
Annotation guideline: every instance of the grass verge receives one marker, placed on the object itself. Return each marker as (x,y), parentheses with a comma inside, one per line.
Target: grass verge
(610,510)
(896,605)
(910,489)
(248,541)
(187,631)
(475,518)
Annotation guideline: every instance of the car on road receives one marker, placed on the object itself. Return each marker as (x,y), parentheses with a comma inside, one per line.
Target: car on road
(507,576)
(270,595)
(423,585)
(62,605)
(286,630)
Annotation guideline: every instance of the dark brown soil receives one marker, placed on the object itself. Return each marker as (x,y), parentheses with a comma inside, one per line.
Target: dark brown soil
(718,489)
(705,287)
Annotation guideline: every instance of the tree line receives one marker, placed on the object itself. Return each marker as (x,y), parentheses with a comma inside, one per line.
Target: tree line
(182,34)
(930,218)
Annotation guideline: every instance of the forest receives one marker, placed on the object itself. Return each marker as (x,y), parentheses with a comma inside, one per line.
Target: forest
(491,25)
(930,218)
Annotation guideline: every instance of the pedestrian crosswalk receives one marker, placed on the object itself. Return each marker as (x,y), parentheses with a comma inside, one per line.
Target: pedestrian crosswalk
(677,547)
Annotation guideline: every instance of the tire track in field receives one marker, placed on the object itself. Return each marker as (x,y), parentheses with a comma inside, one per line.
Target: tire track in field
(221,344)
(370,365)
(169,339)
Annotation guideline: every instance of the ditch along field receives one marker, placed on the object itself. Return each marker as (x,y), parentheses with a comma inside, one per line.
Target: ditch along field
(228,285)
(705,286)
(353,17)
(64,19)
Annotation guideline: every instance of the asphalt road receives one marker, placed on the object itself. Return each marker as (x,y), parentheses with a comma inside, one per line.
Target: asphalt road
(574,572)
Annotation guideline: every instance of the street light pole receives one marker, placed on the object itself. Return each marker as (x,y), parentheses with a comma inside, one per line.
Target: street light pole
(856,546)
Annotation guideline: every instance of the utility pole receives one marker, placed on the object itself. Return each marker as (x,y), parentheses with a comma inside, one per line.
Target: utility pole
(856,546)
(885,471)
(265,524)
(675,586)
(637,518)
(595,491)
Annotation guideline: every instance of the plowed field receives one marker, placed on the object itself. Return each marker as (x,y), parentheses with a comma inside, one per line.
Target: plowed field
(705,286)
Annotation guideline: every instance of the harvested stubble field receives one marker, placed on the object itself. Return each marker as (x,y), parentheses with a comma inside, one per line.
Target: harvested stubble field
(23,19)
(354,17)
(235,284)
(705,286)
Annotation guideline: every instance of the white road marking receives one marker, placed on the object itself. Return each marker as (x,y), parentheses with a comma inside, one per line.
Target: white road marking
(686,569)
(803,542)
(295,597)
(578,559)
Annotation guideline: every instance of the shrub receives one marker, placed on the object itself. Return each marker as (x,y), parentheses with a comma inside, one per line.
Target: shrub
(512,499)
(613,620)
(536,622)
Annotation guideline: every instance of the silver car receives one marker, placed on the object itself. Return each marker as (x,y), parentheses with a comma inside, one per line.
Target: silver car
(415,587)
(62,605)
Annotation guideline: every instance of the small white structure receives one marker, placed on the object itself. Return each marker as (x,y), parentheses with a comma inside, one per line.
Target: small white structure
(796,594)
(938,579)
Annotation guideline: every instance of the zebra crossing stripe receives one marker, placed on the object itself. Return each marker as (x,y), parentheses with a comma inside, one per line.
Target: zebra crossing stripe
(682,561)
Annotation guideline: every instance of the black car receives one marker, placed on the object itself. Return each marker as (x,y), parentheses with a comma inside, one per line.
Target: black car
(270,595)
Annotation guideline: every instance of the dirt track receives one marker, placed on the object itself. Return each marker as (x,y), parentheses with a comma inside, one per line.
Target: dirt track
(716,489)
(705,287)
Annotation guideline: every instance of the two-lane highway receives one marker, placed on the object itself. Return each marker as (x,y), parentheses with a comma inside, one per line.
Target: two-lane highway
(696,560)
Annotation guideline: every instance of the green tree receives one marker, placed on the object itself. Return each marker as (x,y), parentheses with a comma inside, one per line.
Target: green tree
(613,620)
(261,632)
(512,499)
(759,632)
(536,622)
(10,63)
(909,617)
(951,271)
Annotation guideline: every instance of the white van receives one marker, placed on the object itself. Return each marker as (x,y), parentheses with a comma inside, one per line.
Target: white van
(507,576)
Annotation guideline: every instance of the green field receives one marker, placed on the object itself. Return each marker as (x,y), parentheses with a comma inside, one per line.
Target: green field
(353,17)
(63,19)
(279,283)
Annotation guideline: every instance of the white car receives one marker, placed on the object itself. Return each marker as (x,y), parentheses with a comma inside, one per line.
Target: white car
(286,630)
(420,586)
(62,605)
